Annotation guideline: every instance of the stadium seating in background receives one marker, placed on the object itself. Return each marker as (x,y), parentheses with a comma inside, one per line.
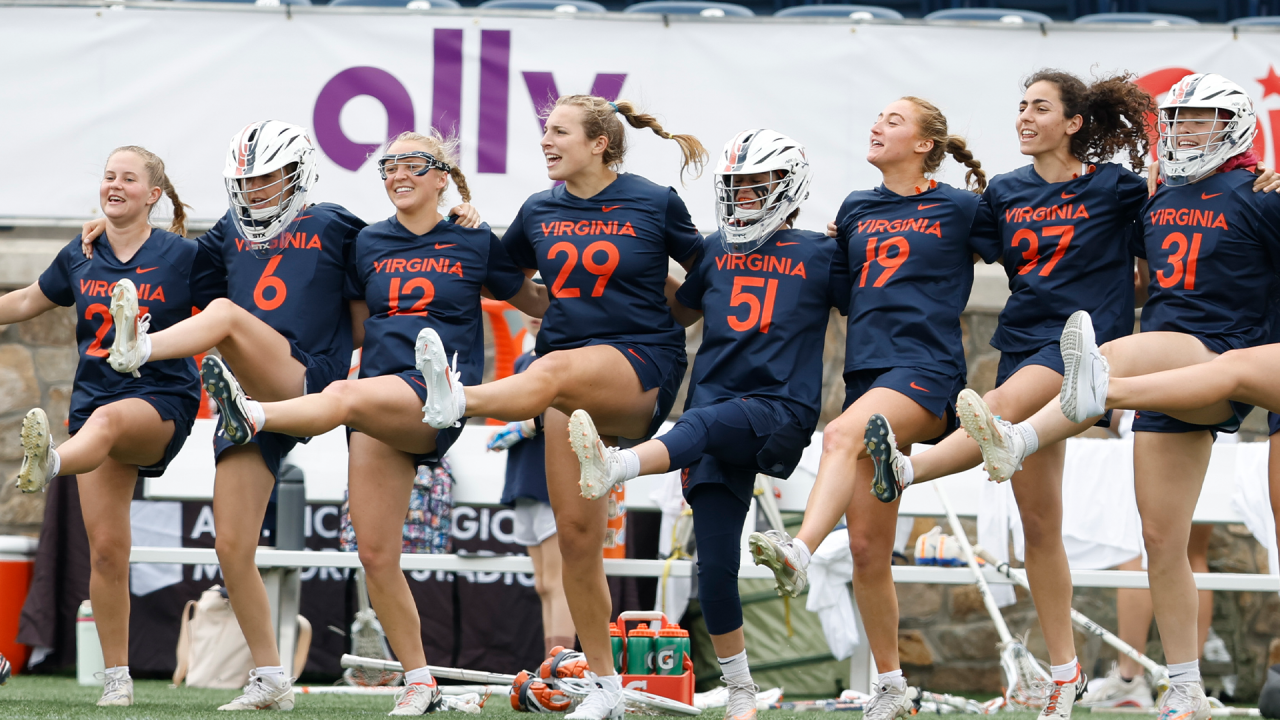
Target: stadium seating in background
(690,7)
(257,2)
(1211,11)
(853,12)
(1136,18)
(1268,20)
(411,4)
(1004,15)
(568,6)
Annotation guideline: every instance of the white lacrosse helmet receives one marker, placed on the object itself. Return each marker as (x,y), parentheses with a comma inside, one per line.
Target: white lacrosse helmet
(262,148)
(743,229)
(1203,90)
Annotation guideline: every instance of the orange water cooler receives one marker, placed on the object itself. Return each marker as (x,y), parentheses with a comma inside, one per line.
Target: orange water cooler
(17,565)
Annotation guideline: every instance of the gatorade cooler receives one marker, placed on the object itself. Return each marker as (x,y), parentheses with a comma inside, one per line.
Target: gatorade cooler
(669,647)
(615,534)
(616,641)
(17,564)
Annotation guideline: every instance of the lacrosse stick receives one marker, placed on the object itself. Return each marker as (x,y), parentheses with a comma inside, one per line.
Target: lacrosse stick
(1027,684)
(637,701)
(1158,672)
(368,640)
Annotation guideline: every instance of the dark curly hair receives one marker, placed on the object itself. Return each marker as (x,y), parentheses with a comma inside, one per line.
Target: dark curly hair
(1116,112)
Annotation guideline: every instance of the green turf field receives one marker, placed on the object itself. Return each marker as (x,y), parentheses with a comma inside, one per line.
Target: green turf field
(61,698)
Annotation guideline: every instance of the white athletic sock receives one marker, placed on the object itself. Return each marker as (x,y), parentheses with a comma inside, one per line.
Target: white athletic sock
(802,550)
(630,464)
(145,342)
(55,463)
(893,679)
(275,673)
(257,415)
(1029,438)
(611,683)
(1185,672)
(735,668)
(908,474)
(1065,672)
(461,399)
(122,671)
(421,675)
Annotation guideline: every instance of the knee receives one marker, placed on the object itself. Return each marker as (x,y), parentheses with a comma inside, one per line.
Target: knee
(105,419)
(1235,364)
(868,552)
(109,555)
(1041,528)
(1161,546)
(578,538)
(343,393)
(379,560)
(844,434)
(223,309)
(233,550)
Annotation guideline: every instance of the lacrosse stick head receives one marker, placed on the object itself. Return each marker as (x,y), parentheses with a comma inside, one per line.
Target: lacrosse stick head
(1027,682)
(368,640)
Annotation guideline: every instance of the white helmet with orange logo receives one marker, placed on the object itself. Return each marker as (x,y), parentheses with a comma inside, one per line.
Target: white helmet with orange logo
(747,224)
(1182,164)
(264,212)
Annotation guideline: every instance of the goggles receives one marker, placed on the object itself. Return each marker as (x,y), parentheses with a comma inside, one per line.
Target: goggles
(417,163)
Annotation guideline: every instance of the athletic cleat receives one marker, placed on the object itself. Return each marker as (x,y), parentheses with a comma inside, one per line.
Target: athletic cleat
(445,395)
(5,670)
(1002,446)
(773,548)
(117,689)
(600,467)
(1086,373)
(418,699)
(263,693)
(741,704)
(1063,695)
(236,423)
(37,447)
(887,484)
(1114,691)
(1184,701)
(131,345)
(600,704)
(889,703)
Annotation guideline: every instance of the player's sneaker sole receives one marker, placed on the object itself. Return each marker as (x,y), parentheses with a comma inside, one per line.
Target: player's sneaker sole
(881,445)
(977,420)
(225,390)
(763,552)
(1078,344)
(124,315)
(593,479)
(440,410)
(33,476)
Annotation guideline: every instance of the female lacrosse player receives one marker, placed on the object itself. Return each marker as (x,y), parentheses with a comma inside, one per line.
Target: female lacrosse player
(1209,242)
(765,291)
(411,270)
(122,426)
(608,343)
(911,268)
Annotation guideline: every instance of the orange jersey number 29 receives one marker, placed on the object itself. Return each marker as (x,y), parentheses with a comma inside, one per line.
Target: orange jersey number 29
(603,270)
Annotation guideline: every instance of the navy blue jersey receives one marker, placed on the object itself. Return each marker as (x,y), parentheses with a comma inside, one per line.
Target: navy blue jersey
(526,460)
(604,260)
(414,281)
(162,269)
(1210,247)
(1065,248)
(298,292)
(765,320)
(910,266)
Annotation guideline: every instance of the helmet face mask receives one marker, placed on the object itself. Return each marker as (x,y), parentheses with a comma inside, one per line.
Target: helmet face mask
(763,179)
(1205,121)
(269,170)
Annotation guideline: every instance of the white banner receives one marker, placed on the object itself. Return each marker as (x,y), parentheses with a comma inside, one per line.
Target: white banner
(77,81)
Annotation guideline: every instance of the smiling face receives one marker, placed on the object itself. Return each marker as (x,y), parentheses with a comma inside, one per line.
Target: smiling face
(1195,128)
(895,137)
(413,193)
(1042,124)
(750,190)
(565,145)
(268,191)
(126,193)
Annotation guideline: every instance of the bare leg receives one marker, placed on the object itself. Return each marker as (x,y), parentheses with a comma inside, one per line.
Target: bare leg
(381,481)
(557,623)
(1241,375)
(1168,471)
(105,496)
(872,526)
(256,353)
(241,490)
(128,431)
(1273,482)
(729,644)
(385,408)
(1198,556)
(1133,621)
(654,459)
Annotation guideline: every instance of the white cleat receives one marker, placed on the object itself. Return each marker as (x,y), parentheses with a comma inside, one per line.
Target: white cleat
(600,704)
(418,699)
(37,449)
(117,690)
(263,693)
(445,395)
(889,703)
(1184,701)
(741,704)
(600,467)
(1114,691)
(131,346)
(1062,696)
(1003,449)
(775,550)
(1086,373)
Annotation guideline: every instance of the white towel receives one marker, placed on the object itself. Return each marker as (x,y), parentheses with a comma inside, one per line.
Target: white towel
(830,572)
(1252,498)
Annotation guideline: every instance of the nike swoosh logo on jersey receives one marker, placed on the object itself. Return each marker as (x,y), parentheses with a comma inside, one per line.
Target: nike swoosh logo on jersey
(1066,196)
(782,244)
(440,246)
(145,270)
(1206,196)
(926,207)
(917,387)
(611,207)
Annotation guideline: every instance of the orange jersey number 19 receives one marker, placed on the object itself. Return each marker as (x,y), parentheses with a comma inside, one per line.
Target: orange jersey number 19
(880,255)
